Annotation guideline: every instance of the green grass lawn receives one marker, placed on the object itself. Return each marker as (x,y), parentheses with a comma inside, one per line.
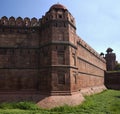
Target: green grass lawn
(107,102)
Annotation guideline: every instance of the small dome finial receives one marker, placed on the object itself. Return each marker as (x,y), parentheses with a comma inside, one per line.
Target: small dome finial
(58,6)
(109,50)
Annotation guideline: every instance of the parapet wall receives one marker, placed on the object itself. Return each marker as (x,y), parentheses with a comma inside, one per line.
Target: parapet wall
(90,67)
(112,80)
(19,22)
(89,48)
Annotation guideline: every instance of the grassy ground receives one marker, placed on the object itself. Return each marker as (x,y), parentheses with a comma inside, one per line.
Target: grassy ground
(107,102)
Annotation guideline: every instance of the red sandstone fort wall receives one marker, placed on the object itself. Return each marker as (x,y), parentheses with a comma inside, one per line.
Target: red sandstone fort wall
(19,56)
(46,57)
(90,67)
(17,40)
(112,80)
(20,50)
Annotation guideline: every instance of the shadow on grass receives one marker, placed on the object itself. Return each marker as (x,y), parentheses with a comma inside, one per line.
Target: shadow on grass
(117,96)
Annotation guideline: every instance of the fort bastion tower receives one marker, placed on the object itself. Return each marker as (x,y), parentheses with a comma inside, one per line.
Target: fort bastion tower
(46,61)
(57,39)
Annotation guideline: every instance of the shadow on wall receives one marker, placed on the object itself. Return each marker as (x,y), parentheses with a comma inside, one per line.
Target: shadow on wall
(112,80)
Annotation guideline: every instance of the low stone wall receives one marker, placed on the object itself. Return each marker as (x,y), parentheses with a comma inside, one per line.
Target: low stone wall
(112,80)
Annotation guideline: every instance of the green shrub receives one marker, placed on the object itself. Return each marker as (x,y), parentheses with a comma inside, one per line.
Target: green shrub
(117,67)
(107,102)
(26,106)
(6,106)
(19,105)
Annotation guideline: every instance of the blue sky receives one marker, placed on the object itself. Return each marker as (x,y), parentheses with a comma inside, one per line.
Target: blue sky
(97,21)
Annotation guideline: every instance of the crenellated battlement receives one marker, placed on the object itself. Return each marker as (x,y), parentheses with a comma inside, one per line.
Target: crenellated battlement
(45,58)
(19,22)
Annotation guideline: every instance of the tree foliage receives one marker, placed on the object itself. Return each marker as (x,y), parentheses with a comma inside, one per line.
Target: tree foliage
(117,67)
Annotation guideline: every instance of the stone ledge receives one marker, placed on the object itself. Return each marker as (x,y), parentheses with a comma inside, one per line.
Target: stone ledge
(56,101)
(92,90)
(47,101)
(70,100)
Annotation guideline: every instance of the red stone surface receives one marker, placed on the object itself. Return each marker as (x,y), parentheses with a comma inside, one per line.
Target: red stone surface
(46,57)
(112,80)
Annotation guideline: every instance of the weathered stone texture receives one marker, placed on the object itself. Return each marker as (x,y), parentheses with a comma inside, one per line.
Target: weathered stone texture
(112,80)
(47,57)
